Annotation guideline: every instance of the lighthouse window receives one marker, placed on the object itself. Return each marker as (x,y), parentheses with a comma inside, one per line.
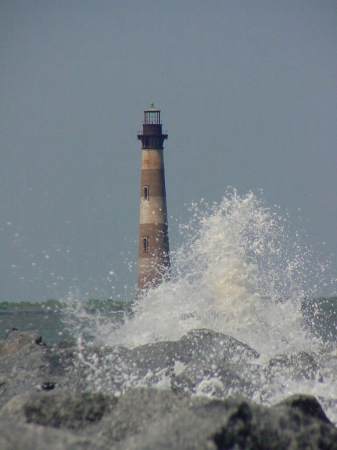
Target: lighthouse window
(146,192)
(146,244)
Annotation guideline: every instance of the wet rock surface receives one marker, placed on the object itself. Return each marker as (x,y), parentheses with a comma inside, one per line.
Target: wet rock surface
(27,364)
(62,398)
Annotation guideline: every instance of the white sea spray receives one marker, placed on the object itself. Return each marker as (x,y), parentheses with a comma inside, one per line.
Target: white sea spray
(236,273)
(242,270)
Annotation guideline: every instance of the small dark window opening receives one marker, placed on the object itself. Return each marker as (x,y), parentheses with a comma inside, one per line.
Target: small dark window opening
(145,244)
(146,192)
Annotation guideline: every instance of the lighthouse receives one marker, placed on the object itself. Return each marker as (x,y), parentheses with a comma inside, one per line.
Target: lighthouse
(154,258)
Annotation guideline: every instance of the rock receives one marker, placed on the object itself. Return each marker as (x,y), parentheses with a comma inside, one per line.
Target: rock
(14,408)
(61,410)
(108,369)
(211,346)
(153,419)
(296,365)
(307,404)
(16,436)
(17,340)
(137,410)
(255,427)
(200,351)
(154,357)
(59,398)
(22,364)
(234,424)
(27,365)
(197,345)
(71,411)
(213,365)
(116,369)
(218,380)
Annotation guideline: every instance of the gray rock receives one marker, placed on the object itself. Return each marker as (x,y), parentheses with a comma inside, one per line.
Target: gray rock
(211,346)
(235,424)
(59,410)
(137,410)
(28,365)
(296,365)
(218,380)
(307,404)
(17,436)
(197,345)
(22,364)
(47,403)
(17,340)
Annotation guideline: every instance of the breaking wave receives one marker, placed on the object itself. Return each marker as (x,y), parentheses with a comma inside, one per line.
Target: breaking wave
(241,271)
(238,272)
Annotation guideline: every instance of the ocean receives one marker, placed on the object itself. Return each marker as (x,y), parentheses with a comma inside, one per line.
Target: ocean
(46,322)
(49,318)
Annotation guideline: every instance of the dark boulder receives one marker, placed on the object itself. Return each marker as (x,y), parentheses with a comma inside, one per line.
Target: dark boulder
(234,423)
(307,404)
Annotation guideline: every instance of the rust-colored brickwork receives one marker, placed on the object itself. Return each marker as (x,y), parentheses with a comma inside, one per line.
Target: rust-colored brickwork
(154,258)
(155,179)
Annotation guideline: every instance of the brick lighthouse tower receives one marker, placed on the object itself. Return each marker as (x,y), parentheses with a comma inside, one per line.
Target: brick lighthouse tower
(154,258)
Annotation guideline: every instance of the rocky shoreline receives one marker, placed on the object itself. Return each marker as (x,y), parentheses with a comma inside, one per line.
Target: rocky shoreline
(149,397)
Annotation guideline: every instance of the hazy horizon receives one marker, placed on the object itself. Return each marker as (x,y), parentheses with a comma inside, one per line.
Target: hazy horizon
(248,98)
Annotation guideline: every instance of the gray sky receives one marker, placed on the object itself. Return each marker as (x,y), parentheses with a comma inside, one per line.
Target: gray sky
(248,94)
